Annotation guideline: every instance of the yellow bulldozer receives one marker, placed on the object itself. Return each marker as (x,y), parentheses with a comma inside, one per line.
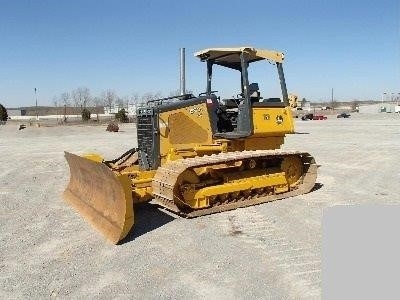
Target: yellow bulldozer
(197,155)
(293,100)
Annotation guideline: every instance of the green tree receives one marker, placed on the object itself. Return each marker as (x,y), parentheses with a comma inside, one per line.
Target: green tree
(85,114)
(122,116)
(3,113)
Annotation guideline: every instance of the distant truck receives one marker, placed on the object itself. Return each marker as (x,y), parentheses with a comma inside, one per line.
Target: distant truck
(397,109)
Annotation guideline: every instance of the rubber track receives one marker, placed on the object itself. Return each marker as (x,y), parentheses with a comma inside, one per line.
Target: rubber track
(166,178)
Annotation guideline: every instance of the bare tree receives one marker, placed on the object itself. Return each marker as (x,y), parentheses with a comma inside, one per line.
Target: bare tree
(81,96)
(134,98)
(65,99)
(150,96)
(146,97)
(87,98)
(174,93)
(55,103)
(178,93)
(120,102)
(77,98)
(158,95)
(126,101)
(108,97)
(334,104)
(98,104)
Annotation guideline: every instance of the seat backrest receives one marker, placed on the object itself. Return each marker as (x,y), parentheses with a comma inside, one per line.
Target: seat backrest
(254,92)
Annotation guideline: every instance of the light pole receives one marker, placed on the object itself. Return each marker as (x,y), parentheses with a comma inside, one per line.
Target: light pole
(383,96)
(37,115)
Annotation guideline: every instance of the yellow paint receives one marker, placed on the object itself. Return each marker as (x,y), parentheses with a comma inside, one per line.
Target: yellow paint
(186,132)
(293,100)
(235,183)
(143,194)
(139,183)
(129,219)
(263,143)
(193,121)
(94,157)
(208,149)
(270,126)
(272,121)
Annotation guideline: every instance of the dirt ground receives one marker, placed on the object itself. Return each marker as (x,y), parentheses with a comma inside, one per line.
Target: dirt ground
(271,250)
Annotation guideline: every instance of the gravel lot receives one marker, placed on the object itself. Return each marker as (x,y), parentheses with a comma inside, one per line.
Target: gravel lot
(268,251)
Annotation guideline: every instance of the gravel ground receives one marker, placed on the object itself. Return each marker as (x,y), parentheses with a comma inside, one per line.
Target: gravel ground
(271,250)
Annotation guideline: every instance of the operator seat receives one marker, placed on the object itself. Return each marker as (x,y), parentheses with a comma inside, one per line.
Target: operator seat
(254,92)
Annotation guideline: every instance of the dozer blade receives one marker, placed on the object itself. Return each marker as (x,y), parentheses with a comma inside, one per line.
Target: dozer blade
(102,197)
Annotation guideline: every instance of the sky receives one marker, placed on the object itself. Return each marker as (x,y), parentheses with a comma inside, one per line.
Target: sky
(133,46)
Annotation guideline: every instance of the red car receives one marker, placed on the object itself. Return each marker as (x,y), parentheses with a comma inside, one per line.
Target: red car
(319,117)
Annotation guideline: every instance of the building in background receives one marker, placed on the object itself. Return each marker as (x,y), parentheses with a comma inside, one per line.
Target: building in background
(306,105)
(130,109)
(378,108)
(14,112)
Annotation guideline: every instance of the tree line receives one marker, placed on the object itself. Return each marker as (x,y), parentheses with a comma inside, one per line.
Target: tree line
(81,97)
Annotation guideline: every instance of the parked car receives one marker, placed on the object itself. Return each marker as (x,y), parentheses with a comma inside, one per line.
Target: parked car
(319,117)
(343,115)
(307,117)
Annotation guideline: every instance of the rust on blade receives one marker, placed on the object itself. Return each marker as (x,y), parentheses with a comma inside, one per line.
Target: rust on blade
(102,197)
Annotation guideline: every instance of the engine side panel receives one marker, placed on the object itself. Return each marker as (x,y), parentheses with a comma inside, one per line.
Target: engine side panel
(272,121)
(184,128)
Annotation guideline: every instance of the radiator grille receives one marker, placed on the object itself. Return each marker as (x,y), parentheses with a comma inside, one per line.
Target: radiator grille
(145,135)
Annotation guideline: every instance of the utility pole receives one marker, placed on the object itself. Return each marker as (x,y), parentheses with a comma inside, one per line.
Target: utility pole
(37,114)
(332,98)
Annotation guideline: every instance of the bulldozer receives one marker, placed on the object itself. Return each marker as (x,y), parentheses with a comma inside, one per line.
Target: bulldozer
(293,100)
(197,155)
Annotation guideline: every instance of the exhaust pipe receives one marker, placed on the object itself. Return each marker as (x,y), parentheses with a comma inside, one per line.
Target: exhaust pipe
(182,69)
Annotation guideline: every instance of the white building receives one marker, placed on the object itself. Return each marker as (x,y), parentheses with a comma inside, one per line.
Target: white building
(130,109)
(16,112)
(377,108)
(306,105)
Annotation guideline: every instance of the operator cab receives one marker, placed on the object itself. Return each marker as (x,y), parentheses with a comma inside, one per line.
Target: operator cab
(234,115)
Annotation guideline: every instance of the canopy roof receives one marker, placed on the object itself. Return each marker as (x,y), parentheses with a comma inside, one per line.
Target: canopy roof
(229,57)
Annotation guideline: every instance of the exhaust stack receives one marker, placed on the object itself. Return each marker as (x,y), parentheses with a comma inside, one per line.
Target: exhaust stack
(182,73)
